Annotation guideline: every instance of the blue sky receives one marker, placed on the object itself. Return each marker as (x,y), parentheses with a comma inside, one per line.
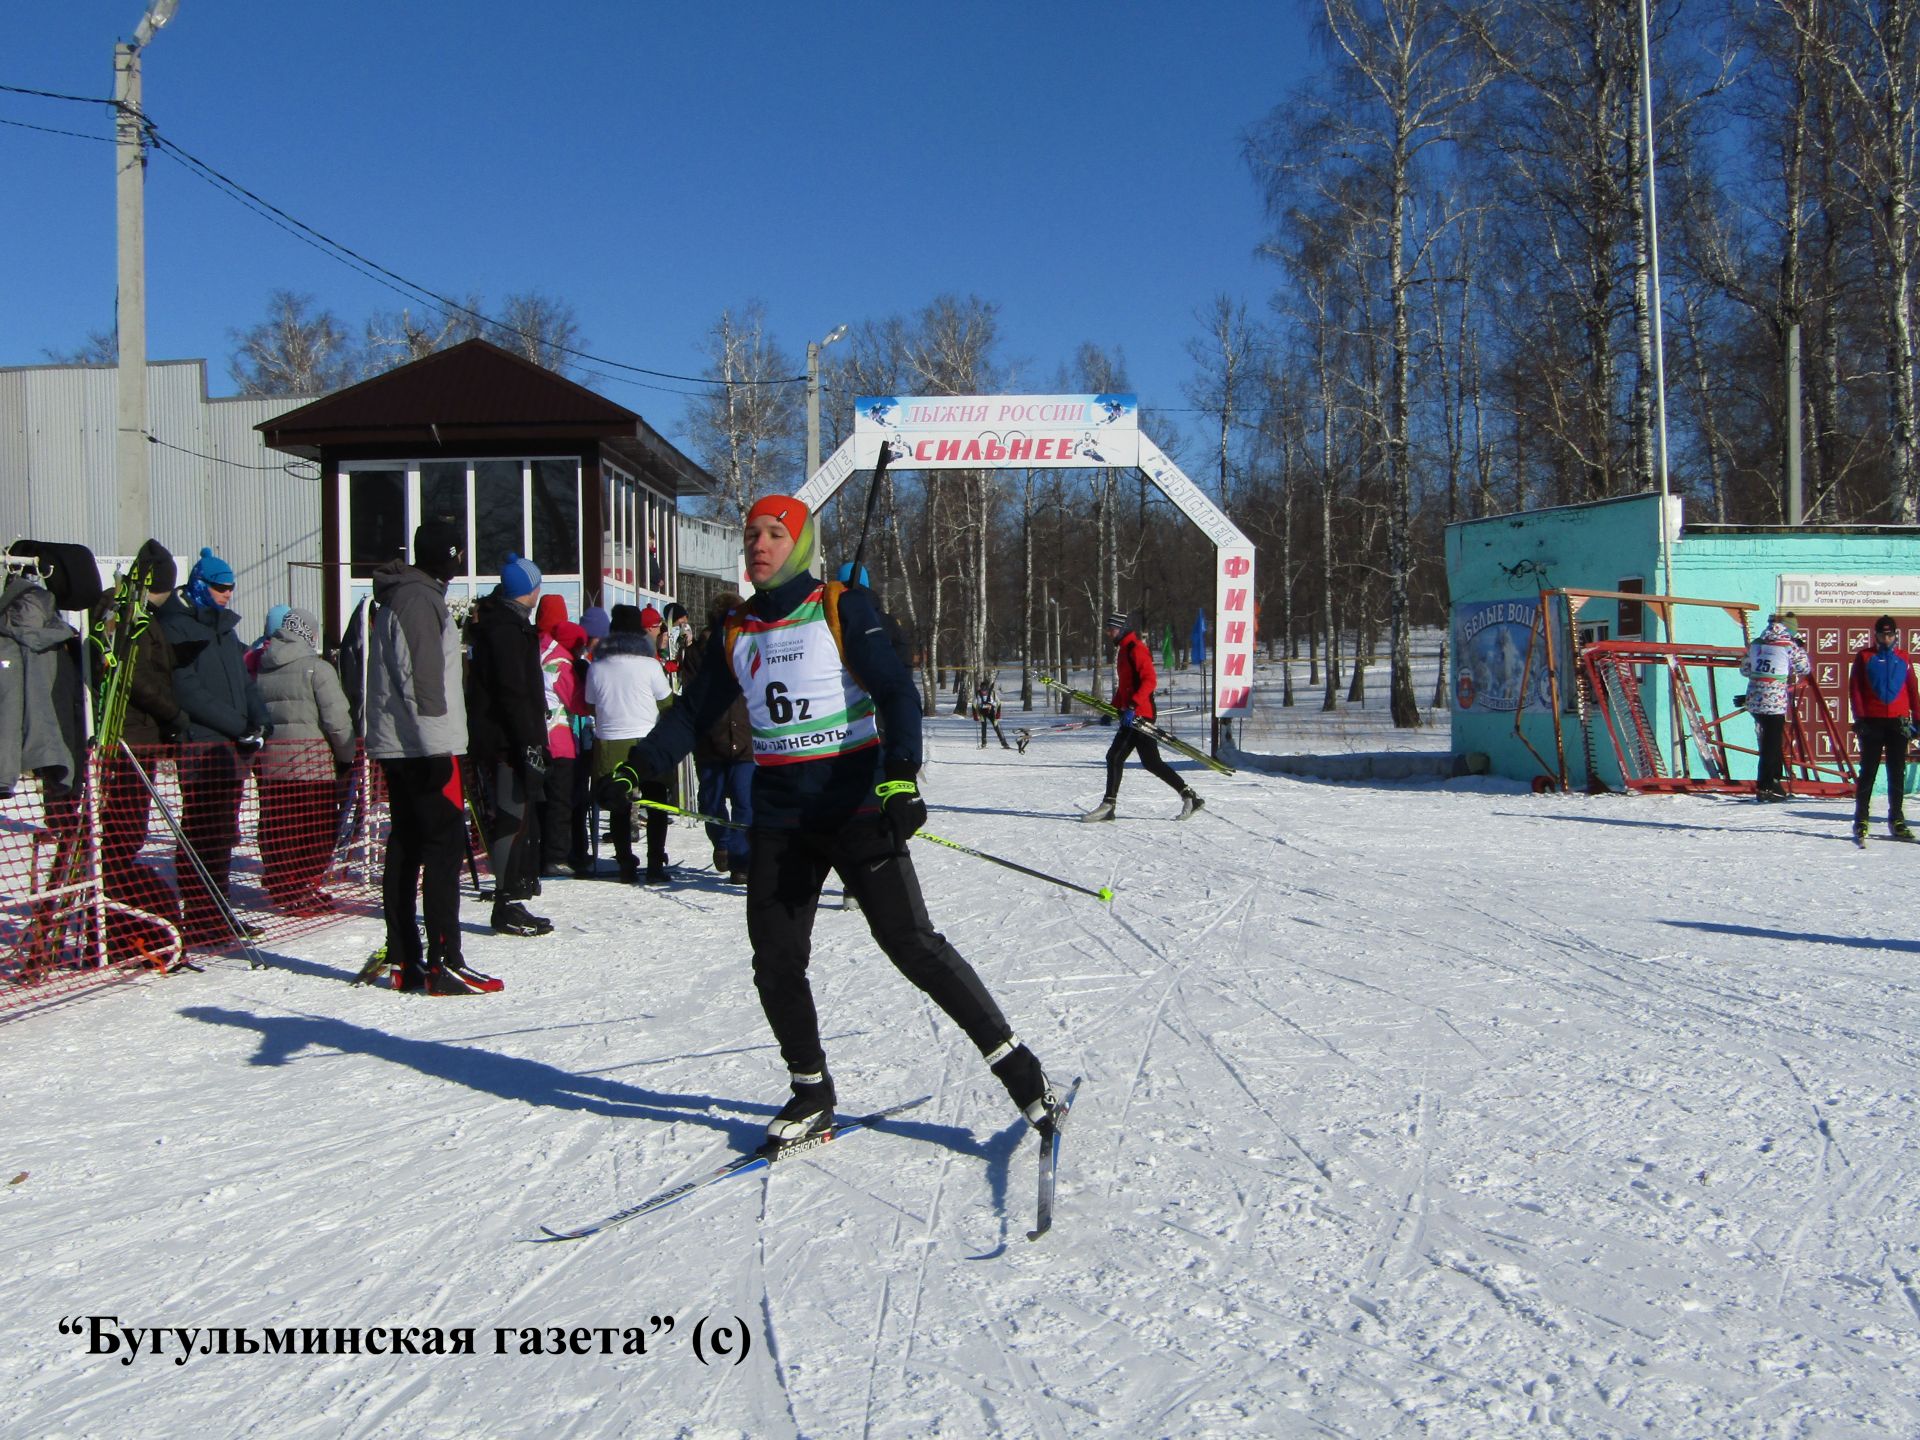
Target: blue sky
(652,164)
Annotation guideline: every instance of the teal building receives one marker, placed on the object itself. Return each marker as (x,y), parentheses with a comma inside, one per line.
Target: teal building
(1835,580)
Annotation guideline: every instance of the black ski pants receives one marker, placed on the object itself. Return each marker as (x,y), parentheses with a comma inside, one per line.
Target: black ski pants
(556,813)
(1772,733)
(212,778)
(784,873)
(1882,739)
(513,837)
(424,849)
(1124,744)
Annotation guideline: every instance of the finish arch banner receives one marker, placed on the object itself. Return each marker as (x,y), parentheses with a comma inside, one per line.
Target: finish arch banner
(1057,432)
(979,432)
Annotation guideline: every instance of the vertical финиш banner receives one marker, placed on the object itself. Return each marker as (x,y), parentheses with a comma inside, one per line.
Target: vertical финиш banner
(1235,630)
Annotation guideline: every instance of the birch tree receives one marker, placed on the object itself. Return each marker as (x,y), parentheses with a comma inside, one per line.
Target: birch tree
(746,427)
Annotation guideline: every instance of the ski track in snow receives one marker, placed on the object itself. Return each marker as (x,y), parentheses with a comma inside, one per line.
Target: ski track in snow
(1429,1110)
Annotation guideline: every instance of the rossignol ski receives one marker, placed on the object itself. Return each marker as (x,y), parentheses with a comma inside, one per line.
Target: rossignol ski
(1050,1161)
(113,638)
(1145,727)
(739,1165)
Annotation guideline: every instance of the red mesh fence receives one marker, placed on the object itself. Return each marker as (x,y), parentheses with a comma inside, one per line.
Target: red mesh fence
(173,849)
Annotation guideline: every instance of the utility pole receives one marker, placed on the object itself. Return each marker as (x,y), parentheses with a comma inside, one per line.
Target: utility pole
(130,322)
(814,347)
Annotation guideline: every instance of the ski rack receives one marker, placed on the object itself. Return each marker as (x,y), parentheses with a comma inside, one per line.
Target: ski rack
(1606,676)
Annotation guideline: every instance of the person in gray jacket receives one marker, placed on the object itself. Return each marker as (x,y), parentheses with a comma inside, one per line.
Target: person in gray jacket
(39,695)
(225,726)
(298,771)
(416,727)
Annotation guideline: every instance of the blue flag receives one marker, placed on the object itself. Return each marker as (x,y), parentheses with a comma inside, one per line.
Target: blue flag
(1200,638)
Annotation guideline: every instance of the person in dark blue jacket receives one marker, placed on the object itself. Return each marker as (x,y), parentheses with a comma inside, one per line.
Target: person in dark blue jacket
(223,724)
(835,724)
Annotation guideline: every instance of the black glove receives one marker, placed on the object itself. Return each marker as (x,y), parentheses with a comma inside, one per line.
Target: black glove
(537,759)
(250,743)
(900,803)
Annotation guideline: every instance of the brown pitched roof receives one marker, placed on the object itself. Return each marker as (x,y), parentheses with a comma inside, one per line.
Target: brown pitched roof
(471,391)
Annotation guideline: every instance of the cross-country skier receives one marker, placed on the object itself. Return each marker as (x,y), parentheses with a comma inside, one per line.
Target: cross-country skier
(836,744)
(986,709)
(1133,682)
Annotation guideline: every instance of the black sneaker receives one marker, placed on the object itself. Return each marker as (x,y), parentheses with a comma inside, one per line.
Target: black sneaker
(737,877)
(513,919)
(1019,1070)
(722,861)
(808,1113)
(657,877)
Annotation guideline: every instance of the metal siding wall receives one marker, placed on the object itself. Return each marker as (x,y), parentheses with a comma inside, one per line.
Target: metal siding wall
(60,408)
(57,461)
(266,516)
(16,495)
(180,502)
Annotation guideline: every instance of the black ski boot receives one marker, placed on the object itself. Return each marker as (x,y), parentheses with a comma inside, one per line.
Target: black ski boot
(1019,1070)
(514,919)
(1189,803)
(472,978)
(442,980)
(808,1113)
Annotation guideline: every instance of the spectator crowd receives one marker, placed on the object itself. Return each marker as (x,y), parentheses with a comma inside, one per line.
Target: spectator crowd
(494,734)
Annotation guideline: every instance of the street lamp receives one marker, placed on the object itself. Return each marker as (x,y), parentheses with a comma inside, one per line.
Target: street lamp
(813,396)
(130,324)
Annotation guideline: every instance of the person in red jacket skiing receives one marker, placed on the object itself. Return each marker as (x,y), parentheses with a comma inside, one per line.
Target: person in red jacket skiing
(1886,701)
(1133,682)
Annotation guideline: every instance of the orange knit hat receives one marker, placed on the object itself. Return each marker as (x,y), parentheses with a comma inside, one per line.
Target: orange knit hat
(784,508)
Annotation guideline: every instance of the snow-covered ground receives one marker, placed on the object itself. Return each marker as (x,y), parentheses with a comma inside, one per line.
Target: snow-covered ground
(1440,1110)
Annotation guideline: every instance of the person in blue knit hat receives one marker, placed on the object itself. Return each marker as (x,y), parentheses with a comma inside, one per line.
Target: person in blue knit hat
(507,738)
(225,724)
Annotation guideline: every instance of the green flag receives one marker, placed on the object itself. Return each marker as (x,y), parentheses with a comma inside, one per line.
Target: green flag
(1166,650)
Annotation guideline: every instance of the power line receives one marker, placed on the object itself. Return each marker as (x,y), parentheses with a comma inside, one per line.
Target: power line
(372,269)
(55,95)
(413,289)
(286,466)
(49,130)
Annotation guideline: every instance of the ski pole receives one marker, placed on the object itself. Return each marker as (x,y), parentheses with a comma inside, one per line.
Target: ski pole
(873,494)
(690,814)
(254,959)
(1103,893)
(473,813)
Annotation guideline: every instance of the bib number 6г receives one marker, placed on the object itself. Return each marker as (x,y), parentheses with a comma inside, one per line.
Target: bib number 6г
(784,710)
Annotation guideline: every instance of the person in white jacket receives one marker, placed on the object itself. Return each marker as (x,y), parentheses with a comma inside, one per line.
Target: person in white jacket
(626,687)
(1774,664)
